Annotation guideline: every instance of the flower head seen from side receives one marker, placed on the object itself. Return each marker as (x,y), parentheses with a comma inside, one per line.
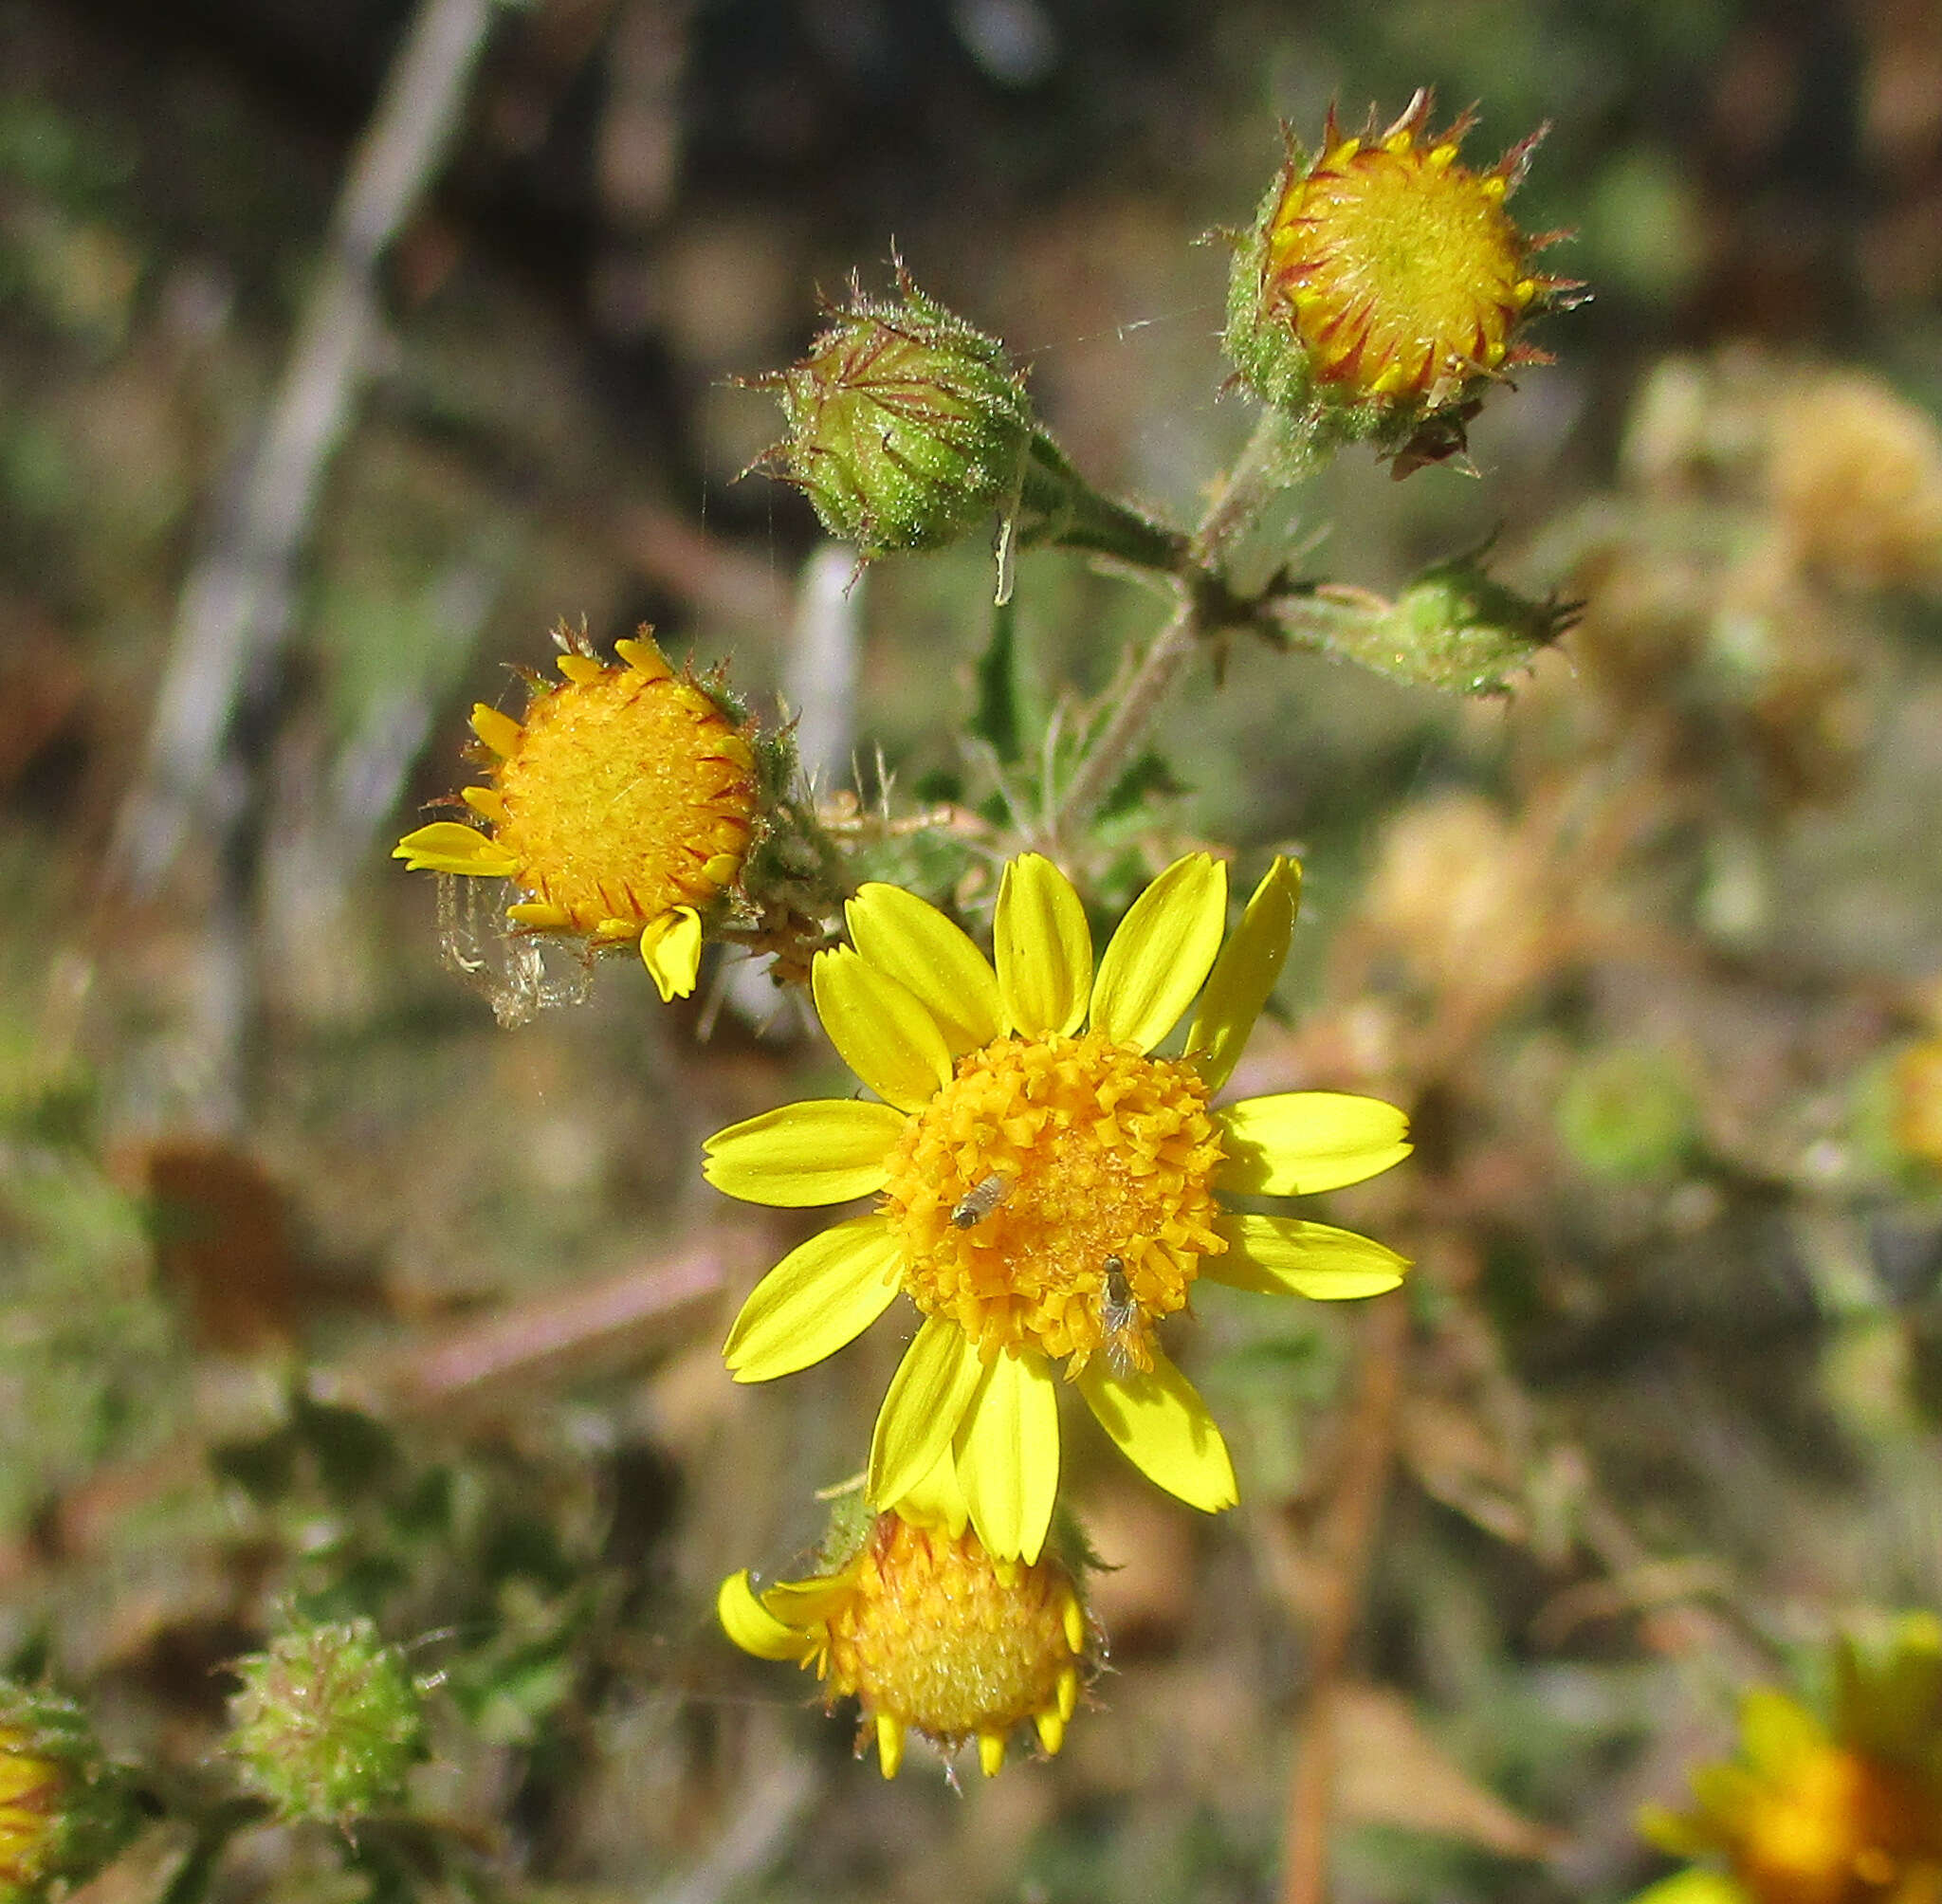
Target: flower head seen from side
(913,1618)
(1813,1813)
(1046,1182)
(1384,285)
(621,808)
(65,1810)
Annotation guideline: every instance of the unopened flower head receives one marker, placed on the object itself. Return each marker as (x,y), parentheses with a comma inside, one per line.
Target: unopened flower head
(906,425)
(1047,1185)
(915,1620)
(1846,1813)
(1384,285)
(621,808)
(327,1723)
(64,1811)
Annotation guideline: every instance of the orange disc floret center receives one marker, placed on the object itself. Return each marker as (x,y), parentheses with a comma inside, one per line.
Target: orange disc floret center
(1840,1829)
(625,796)
(1057,1195)
(1399,268)
(935,1636)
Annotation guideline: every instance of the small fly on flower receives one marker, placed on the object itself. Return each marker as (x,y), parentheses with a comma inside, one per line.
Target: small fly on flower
(978,1202)
(1121,1319)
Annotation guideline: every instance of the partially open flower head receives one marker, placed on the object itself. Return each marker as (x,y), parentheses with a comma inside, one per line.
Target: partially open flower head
(64,1811)
(1046,1181)
(1383,286)
(913,1618)
(906,425)
(1809,1813)
(620,807)
(327,1722)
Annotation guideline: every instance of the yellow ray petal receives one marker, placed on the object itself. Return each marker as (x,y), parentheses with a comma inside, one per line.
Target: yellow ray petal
(1044,948)
(937,1500)
(803,1604)
(487,802)
(912,941)
(1698,1884)
(1282,1256)
(1305,1141)
(643,657)
(1164,1428)
(753,1627)
(451,845)
(499,732)
(823,1150)
(1159,956)
(1007,1453)
(889,1742)
(823,1293)
(1244,975)
(991,1754)
(925,1401)
(881,1028)
(672,951)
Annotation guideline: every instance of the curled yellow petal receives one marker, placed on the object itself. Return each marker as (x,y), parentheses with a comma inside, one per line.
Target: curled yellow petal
(672,951)
(753,1627)
(890,1744)
(1007,1456)
(499,732)
(882,1030)
(1244,975)
(914,943)
(823,1150)
(1162,1427)
(1280,1255)
(991,1754)
(927,1400)
(451,845)
(1159,956)
(1043,947)
(824,1293)
(1305,1141)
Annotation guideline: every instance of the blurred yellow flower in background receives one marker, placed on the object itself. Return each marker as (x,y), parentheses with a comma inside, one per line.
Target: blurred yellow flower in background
(1046,1182)
(1809,1813)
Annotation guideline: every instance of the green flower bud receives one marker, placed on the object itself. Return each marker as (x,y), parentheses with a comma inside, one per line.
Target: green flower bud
(906,424)
(64,1811)
(1453,626)
(327,1723)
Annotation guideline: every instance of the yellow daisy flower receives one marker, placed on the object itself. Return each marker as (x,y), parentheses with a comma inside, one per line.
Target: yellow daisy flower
(621,808)
(1046,1182)
(1815,1813)
(927,1633)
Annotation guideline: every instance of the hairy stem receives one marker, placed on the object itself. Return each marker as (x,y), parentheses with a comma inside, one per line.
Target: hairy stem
(1265,466)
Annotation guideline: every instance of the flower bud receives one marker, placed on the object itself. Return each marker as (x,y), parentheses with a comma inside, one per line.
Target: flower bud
(907,426)
(327,1723)
(1453,626)
(1383,287)
(930,1633)
(63,1811)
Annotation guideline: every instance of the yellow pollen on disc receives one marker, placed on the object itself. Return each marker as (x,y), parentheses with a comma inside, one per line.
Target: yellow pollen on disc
(931,1638)
(1057,1195)
(1398,268)
(624,794)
